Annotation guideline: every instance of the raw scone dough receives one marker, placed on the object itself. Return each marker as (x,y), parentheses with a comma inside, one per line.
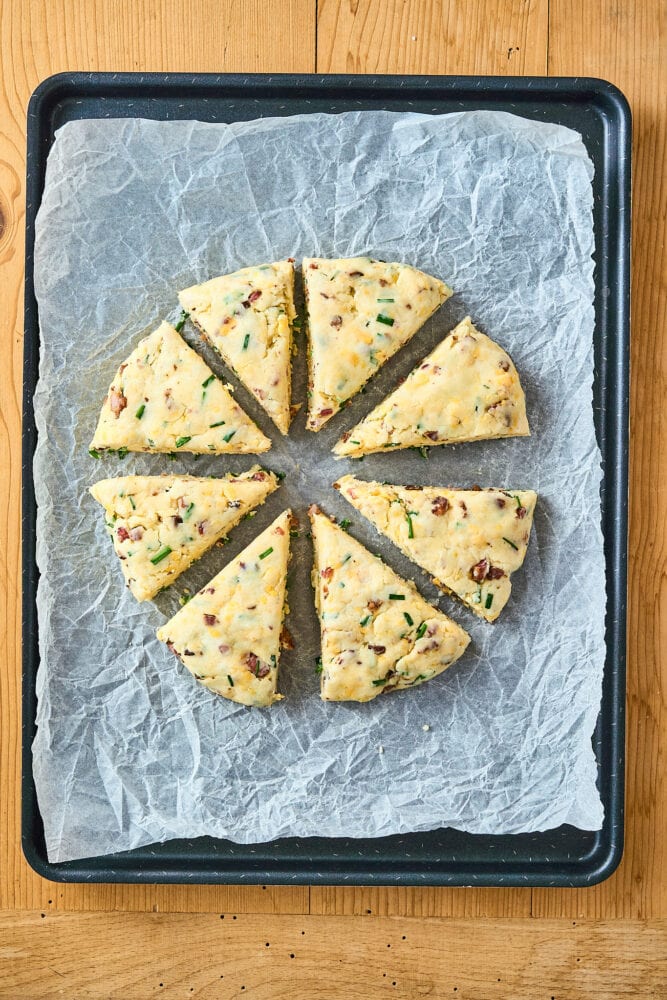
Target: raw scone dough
(229,635)
(470,541)
(160,525)
(360,312)
(247,317)
(465,390)
(165,398)
(378,632)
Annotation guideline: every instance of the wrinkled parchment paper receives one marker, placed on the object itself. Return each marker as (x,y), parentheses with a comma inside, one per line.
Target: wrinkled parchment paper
(129,750)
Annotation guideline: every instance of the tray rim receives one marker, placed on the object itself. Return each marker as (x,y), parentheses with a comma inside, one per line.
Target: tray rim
(606,855)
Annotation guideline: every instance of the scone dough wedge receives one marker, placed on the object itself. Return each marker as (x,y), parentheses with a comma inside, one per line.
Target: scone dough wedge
(360,312)
(470,541)
(378,632)
(247,317)
(160,525)
(229,635)
(164,397)
(467,389)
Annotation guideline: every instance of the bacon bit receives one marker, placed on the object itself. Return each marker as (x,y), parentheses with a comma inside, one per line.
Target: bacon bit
(181,502)
(500,501)
(208,590)
(374,605)
(188,652)
(431,630)
(286,640)
(505,365)
(279,531)
(210,620)
(136,534)
(501,411)
(408,306)
(255,666)
(431,435)
(254,295)
(325,413)
(433,644)
(327,573)
(378,649)
(411,487)
(521,513)
(336,321)
(358,274)
(201,527)
(171,647)
(246,304)
(224,648)
(440,506)
(384,282)
(122,368)
(463,508)
(177,519)
(477,489)
(117,402)
(169,402)
(123,534)
(480,570)
(258,477)
(324,295)
(495,573)
(314,267)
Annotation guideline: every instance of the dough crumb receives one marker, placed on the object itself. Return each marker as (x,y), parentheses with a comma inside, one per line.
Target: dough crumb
(426,727)
(380,749)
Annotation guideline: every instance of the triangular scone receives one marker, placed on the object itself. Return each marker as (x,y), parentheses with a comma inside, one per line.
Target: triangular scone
(160,524)
(165,398)
(465,390)
(247,317)
(230,634)
(378,632)
(470,541)
(360,312)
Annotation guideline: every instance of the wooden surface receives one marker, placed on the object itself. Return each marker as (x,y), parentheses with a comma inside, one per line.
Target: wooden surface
(531,941)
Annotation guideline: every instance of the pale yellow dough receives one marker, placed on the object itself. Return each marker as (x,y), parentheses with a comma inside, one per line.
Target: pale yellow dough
(470,541)
(229,635)
(164,397)
(160,525)
(247,317)
(378,633)
(467,389)
(360,312)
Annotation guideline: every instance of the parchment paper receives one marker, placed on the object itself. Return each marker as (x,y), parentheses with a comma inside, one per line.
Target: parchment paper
(129,750)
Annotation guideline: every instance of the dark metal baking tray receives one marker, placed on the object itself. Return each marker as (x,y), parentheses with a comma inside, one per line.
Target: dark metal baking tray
(562,857)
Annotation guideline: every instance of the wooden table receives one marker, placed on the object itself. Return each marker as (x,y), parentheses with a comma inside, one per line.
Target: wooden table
(268,942)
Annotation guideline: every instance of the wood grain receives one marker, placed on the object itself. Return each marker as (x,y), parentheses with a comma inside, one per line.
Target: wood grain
(133,956)
(432,36)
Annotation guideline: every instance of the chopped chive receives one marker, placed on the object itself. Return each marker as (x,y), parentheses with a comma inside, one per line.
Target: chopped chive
(385,300)
(140,412)
(397,597)
(409,515)
(208,381)
(489,601)
(181,322)
(318,665)
(228,437)
(387,320)
(365,621)
(509,542)
(231,682)
(408,618)
(184,598)
(151,442)
(132,503)
(355,442)
(268,552)
(380,681)
(280,475)
(345,524)
(294,533)
(189,510)
(518,503)
(162,554)
(122,452)
(423,451)
(246,341)
(93,452)
(183,440)
(421,630)
(296,323)
(218,424)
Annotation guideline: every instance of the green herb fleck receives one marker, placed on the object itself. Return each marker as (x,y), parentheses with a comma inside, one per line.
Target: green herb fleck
(246,341)
(489,601)
(183,440)
(268,552)
(189,510)
(365,621)
(93,452)
(423,451)
(397,597)
(231,682)
(280,475)
(184,598)
(408,618)
(132,503)
(318,665)
(345,524)
(208,381)
(385,300)
(409,514)
(421,630)
(381,681)
(122,452)
(294,533)
(162,554)
(218,424)
(181,322)
(228,437)
(387,320)
(510,542)
(140,412)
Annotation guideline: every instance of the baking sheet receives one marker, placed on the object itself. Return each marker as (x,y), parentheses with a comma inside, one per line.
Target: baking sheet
(128,751)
